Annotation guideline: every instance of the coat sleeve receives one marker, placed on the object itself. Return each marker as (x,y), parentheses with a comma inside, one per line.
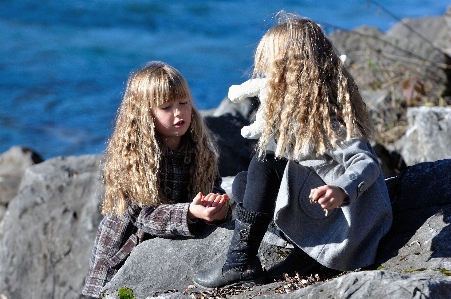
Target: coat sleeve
(166,220)
(170,220)
(104,259)
(361,167)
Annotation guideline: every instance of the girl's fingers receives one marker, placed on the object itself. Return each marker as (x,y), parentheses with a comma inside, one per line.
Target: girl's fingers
(198,198)
(213,200)
(218,199)
(316,193)
(207,200)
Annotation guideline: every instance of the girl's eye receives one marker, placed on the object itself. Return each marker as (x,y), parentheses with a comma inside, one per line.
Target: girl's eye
(166,107)
(184,103)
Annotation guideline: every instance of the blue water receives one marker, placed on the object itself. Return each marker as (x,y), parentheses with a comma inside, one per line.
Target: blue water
(64,64)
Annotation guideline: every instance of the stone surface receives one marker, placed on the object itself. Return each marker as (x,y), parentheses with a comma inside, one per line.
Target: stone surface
(364,284)
(161,264)
(421,201)
(375,284)
(174,262)
(433,30)
(401,61)
(428,135)
(246,108)
(47,233)
(13,163)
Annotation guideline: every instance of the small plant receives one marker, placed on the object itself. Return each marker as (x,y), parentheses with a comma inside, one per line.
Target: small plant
(125,293)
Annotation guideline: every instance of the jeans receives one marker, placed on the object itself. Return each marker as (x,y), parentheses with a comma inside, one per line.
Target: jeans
(257,188)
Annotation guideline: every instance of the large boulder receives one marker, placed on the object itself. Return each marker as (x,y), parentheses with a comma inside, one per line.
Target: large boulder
(408,66)
(158,265)
(428,135)
(365,284)
(431,30)
(420,236)
(13,163)
(409,60)
(48,231)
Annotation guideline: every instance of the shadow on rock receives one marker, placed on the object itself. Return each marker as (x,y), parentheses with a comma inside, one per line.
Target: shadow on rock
(417,194)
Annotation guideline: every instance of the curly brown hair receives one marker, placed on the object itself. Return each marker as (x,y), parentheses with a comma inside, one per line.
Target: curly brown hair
(134,152)
(312,101)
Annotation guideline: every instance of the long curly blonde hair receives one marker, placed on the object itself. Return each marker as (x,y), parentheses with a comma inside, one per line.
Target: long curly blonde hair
(312,101)
(134,152)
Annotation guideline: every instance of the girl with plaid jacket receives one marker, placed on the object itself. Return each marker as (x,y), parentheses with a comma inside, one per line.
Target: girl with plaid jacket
(160,172)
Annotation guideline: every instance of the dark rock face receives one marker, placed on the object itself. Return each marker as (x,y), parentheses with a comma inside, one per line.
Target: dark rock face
(421,201)
(235,150)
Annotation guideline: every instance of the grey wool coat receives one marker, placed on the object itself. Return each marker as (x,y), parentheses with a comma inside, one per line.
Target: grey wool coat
(347,238)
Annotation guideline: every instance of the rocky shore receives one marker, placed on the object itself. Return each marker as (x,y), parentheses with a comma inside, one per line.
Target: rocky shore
(49,210)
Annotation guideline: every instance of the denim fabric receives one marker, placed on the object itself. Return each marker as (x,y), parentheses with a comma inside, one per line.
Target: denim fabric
(257,188)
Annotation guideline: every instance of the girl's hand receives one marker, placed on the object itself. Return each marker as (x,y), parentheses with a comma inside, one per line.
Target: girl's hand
(210,207)
(329,197)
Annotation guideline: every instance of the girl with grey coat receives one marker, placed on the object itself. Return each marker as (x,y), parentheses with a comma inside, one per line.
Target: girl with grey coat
(323,185)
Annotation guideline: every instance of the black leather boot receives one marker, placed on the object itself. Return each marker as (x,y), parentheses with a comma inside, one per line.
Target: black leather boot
(296,262)
(242,266)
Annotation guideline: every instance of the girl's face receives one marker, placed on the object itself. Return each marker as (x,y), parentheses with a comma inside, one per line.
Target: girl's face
(172,120)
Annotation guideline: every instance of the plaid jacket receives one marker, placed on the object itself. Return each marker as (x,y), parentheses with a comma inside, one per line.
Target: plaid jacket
(117,236)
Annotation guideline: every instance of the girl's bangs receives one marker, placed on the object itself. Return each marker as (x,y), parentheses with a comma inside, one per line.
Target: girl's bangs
(168,90)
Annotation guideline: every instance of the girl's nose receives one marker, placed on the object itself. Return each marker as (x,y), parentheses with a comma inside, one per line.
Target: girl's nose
(177,110)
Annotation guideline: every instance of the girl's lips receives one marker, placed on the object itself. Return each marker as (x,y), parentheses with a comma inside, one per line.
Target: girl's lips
(179,123)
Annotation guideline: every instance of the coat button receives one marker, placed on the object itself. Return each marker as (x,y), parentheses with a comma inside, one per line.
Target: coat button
(361,186)
(352,176)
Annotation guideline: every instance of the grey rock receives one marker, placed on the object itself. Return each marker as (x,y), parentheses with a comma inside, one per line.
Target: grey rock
(2,212)
(434,30)
(13,163)
(227,186)
(399,59)
(420,233)
(159,265)
(374,284)
(428,135)
(365,284)
(47,233)
(246,108)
